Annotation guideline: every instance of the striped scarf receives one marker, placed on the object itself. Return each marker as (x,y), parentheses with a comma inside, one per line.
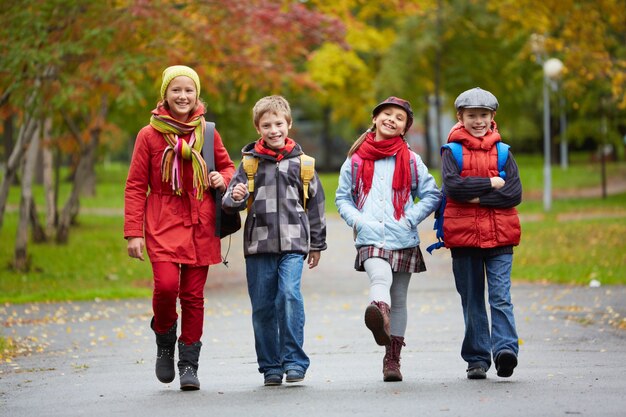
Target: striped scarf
(178,149)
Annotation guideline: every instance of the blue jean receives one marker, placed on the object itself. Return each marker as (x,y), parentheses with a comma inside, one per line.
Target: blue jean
(479,342)
(277,311)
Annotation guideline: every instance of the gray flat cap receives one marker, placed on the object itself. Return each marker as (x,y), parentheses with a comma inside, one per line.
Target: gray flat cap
(476,98)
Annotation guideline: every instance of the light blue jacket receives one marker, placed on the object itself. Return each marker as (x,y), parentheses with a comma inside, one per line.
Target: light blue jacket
(374,224)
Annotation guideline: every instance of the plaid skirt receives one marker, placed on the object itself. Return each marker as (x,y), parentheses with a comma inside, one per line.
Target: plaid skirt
(401,260)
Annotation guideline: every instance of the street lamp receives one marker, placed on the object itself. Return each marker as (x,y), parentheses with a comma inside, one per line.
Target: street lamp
(551,71)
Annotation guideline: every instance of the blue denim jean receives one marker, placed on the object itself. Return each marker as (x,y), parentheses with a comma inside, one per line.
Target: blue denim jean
(479,342)
(277,311)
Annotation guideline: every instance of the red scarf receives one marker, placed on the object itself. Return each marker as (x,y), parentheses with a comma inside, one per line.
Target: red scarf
(371,151)
(279,154)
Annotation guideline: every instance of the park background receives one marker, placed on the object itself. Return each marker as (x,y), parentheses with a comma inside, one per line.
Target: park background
(78,79)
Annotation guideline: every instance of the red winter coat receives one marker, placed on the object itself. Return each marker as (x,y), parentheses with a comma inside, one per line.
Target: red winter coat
(473,225)
(178,229)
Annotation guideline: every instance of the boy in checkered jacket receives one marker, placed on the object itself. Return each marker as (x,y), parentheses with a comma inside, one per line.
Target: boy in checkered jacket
(278,235)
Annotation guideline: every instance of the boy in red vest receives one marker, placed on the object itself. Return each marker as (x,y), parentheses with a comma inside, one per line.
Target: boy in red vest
(481,227)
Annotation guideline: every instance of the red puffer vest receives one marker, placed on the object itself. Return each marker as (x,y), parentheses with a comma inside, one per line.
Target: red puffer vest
(472,225)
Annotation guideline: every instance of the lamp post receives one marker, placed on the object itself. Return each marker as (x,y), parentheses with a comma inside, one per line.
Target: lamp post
(563,128)
(551,71)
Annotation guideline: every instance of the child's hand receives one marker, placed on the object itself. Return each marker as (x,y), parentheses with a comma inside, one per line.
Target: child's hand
(314,258)
(135,247)
(239,191)
(497,182)
(216,181)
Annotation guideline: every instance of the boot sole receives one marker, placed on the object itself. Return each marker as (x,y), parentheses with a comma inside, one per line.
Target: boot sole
(375,322)
(393,378)
(190,387)
(507,361)
(166,380)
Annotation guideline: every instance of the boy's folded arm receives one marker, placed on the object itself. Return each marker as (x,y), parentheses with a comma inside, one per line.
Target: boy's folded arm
(461,188)
(511,194)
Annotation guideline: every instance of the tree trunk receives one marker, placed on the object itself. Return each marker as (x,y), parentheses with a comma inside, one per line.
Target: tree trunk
(20,261)
(38,231)
(327,143)
(48,177)
(15,160)
(70,210)
(85,165)
(89,182)
(429,159)
(7,133)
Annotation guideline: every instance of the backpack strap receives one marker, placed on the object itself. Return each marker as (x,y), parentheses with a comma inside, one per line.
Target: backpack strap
(503,155)
(208,153)
(250,166)
(355,163)
(413,165)
(457,151)
(307,172)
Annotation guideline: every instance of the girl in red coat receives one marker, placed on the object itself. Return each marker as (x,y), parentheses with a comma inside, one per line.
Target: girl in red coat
(170,211)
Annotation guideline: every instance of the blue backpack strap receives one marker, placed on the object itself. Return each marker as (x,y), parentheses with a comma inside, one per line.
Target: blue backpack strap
(457,151)
(503,155)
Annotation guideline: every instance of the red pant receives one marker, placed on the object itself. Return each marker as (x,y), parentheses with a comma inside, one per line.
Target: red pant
(173,281)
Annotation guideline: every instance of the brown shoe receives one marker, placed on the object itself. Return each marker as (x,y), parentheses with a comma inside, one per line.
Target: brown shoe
(377,320)
(391,361)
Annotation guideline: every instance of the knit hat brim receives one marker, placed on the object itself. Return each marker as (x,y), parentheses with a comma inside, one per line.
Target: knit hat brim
(176,71)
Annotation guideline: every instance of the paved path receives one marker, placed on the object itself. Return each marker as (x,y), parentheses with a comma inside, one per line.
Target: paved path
(96,358)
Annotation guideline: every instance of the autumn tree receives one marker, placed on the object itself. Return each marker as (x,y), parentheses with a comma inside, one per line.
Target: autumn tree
(71,62)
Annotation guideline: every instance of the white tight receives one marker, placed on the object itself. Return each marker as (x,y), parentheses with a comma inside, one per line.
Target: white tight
(391,288)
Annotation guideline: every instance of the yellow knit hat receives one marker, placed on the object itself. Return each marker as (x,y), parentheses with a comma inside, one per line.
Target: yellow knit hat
(175,71)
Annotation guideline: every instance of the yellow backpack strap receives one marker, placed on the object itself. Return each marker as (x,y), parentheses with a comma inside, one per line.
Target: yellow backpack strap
(250,166)
(307,172)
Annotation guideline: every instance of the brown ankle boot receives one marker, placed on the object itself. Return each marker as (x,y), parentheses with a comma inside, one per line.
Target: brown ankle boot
(391,361)
(377,320)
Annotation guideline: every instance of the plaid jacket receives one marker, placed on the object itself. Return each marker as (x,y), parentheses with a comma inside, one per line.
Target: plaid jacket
(277,222)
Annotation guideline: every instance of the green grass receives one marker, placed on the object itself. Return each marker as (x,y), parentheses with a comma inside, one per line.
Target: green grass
(94,264)
(572,251)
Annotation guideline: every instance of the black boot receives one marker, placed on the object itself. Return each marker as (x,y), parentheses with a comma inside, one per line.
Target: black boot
(166,344)
(188,356)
